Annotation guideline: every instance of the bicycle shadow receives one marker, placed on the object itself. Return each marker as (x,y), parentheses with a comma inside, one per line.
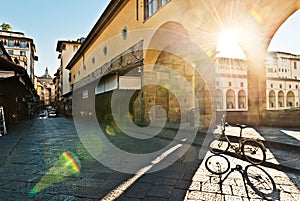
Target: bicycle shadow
(256,181)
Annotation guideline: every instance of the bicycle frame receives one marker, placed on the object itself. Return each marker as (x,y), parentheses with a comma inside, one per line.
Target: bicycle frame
(251,149)
(224,136)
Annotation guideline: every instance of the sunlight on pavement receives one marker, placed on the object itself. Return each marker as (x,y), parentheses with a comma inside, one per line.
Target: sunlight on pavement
(206,186)
(66,165)
(247,132)
(294,134)
(115,193)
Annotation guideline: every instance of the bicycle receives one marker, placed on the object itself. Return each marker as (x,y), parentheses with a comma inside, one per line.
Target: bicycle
(257,178)
(252,150)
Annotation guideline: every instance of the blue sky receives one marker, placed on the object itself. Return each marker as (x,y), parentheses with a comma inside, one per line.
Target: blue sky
(287,39)
(47,21)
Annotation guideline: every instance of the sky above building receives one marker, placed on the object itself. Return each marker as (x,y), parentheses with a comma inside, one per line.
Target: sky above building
(48,21)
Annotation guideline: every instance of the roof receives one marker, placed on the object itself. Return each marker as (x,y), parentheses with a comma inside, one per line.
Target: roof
(107,16)
(61,42)
(12,32)
(6,64)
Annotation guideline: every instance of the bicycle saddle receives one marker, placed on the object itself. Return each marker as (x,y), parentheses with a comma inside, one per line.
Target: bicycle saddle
(241,126)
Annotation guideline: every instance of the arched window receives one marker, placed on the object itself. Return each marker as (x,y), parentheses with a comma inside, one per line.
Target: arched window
(290,99)
(230,99)
(242,99)
(280,99)
(272,99)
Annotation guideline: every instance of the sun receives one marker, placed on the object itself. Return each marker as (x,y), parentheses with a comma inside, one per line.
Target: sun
(228,46)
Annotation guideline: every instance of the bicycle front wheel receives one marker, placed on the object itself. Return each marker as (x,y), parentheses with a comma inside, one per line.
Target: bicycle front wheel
(253,152)
(217,164)
(218,146)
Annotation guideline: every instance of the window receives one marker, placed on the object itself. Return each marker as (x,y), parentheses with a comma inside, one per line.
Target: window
(75,48)
(230,84)
(22,44)
(11,43)
(271,85)
(11,52)
(280,86)
(242,84)
(152,6)
(22,53)
(290,86)
(295,65)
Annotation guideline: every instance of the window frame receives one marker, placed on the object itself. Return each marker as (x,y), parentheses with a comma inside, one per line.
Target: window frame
(154,5)
(10,43)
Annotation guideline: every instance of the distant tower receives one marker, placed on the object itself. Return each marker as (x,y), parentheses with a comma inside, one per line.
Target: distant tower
(46,75)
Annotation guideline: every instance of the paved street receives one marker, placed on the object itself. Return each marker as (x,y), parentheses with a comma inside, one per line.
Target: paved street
(44,159)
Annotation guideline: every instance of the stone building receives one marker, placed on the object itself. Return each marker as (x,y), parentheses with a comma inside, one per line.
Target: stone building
(66,50)
(231,84)
(17,93)
(45,89)
(283,79)
(161,41)
(21,49)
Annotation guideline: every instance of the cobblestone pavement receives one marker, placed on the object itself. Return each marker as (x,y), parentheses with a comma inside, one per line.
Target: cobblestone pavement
(33,167)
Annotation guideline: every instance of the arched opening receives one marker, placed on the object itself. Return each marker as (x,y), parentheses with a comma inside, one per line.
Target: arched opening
(242,99)
(280,99)
(272,99)
(230,99)
(290,99)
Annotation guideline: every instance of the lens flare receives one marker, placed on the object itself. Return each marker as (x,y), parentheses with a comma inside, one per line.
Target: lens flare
(65,166)
(256,16)
(110,131)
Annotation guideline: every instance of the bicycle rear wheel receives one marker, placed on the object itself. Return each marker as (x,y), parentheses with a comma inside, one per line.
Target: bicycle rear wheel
(218,146)
(253,152)
(217,164)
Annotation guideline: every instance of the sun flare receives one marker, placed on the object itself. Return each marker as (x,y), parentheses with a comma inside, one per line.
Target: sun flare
(228,45)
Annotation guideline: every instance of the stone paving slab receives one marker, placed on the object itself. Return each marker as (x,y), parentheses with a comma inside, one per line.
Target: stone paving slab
(38,149)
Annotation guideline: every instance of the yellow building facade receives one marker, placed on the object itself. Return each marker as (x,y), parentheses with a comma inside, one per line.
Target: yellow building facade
(162,52)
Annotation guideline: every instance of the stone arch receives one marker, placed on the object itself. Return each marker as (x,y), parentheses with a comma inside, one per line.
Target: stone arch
(242,99)
(280,99)
(230,99)
(272,99)
(290,99)
(159,41)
